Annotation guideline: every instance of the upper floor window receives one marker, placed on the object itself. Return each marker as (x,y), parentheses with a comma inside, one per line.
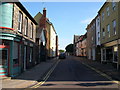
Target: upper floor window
(114,27)
(103,16)
(98,36)
(98,22)
(108,29)
(26,26)
(20,22)
(31,31)
(108,13)
(113,4)
(103,32)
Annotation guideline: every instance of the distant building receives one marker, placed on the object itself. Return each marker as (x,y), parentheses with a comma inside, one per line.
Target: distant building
(51,46)
(17,32)
(81,46)
(91,40)
(75,40)
(98,43)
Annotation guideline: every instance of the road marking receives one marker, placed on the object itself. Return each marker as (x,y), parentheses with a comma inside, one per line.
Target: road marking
(46,76)
(102,74)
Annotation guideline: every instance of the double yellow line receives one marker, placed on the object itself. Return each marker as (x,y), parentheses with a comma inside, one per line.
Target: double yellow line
(46,76)
(102,74)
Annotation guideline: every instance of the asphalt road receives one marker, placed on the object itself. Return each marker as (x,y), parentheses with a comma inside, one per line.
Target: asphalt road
(71,73)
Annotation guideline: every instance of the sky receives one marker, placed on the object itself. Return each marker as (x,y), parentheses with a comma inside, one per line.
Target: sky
(68,18)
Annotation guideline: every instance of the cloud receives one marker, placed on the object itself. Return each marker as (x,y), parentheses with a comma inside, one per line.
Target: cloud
(86,21)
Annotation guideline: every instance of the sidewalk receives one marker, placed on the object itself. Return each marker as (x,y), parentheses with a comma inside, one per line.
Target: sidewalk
(105,68)
(29,77)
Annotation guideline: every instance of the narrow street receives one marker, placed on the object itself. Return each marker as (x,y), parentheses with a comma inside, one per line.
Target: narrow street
(71,73)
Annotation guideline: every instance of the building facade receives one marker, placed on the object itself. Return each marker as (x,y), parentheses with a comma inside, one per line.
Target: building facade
(98,44)
(110,33)
(81,46)
(51,38)
(75,44)
(91,40)
(53,42)
(17,33)
(84,46)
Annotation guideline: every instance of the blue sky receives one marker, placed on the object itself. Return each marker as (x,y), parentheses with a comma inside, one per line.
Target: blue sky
(68,18)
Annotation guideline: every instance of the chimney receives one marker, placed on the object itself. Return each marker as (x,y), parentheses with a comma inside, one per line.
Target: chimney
(44,12)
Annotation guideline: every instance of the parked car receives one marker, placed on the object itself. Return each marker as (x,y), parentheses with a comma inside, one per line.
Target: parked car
(62,56)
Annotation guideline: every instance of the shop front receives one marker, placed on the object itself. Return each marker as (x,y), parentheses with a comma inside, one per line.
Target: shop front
(9,55)
(109,53)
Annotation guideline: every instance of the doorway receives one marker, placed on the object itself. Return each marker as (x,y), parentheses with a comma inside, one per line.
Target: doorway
(3,62)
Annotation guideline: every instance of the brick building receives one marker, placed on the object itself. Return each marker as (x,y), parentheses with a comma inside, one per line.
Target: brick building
(17,32)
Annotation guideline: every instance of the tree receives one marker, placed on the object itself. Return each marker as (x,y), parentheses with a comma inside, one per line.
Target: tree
(61,51)
(69,48)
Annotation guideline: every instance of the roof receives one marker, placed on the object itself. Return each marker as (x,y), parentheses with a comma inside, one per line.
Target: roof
(25,11)
(91,23)
(102,7)
(39,15)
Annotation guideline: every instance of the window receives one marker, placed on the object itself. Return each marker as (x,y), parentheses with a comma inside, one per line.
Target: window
(98,22)
(115,59)
(31,54)
(15,55)
(103,32)
(108,13)
(113,4)
(20,22)
(26,26)
(114,27)
(108,29)
(103,16)
(31,31)
(92,38)
(98,36)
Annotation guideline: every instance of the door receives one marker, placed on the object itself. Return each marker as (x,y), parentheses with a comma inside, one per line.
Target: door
(24,62)
(3,62)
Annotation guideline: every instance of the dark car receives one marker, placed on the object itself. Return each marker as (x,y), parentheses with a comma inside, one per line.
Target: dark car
(62,56)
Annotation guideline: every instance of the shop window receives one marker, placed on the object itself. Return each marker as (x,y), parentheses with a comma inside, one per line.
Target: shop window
(104,54)
(115,58)
(15,55)
(31,54)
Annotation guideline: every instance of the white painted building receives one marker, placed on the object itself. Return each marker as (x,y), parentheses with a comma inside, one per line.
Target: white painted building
(97,30)
(53,35)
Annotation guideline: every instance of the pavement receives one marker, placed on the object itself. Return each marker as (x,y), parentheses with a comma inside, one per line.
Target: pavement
(108,69)
(29,77)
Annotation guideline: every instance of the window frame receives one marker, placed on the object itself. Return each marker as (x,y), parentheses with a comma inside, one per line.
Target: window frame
(114,27)
(108,30)
(31,30)
(20,21)
(108,11)
(26,26)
